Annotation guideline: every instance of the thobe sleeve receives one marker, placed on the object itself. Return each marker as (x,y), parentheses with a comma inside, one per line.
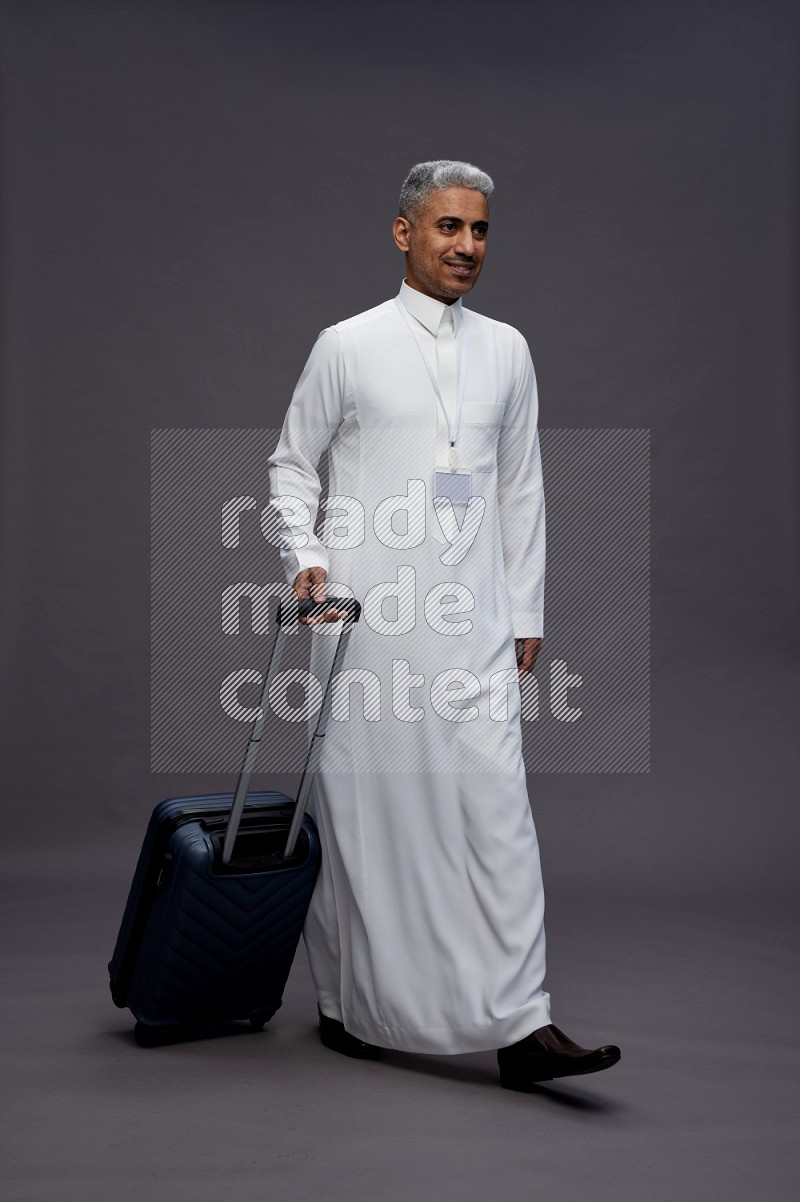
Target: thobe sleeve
(520,498)
(314,414)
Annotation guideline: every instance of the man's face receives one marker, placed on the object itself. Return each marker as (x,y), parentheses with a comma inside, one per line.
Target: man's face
(445,242)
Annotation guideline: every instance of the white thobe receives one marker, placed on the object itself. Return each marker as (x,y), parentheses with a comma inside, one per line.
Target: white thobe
(425,930)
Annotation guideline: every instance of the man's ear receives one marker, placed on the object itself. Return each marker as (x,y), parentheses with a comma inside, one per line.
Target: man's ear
(401,230)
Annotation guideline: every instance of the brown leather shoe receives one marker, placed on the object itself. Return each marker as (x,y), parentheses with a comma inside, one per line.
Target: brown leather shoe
(548,1053)
(334,1036)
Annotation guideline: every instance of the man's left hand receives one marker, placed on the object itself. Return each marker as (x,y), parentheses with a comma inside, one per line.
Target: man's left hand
(527,650)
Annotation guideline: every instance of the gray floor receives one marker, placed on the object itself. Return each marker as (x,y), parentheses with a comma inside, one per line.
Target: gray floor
(704,1104)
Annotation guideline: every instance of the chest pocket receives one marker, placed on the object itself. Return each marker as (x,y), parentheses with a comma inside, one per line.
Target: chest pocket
(478,434)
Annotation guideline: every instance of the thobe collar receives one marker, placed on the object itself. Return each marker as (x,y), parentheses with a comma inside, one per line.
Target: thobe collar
(428,310)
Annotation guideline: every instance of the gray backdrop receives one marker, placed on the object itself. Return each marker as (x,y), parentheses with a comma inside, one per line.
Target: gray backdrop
(191,191)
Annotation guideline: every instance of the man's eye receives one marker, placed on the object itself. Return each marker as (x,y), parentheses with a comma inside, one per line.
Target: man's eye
(448,225)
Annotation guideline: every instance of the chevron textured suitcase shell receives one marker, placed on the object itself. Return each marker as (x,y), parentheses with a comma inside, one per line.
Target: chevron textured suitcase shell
(199,944)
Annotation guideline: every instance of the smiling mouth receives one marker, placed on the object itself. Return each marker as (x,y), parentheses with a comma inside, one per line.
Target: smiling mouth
(461,268)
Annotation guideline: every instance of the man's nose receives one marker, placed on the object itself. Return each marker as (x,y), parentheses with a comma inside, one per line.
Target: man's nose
(465,244)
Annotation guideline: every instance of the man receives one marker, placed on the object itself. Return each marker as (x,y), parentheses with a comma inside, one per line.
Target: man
(425,930)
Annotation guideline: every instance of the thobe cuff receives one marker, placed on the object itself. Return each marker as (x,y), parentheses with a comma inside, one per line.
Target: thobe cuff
(526,624)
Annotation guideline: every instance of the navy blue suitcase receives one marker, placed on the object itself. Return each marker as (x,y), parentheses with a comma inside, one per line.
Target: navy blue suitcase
(221,889)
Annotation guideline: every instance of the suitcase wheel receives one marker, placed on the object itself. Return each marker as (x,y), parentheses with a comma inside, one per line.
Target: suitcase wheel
(150,1037)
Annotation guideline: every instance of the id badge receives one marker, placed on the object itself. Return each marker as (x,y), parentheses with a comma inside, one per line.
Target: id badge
(455,485)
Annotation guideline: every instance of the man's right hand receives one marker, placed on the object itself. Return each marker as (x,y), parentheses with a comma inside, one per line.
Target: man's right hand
(311,583)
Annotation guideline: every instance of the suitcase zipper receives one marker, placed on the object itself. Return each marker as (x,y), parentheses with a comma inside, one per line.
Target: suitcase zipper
(165,872)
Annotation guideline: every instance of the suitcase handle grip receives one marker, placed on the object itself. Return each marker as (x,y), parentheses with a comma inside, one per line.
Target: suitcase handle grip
(290,611)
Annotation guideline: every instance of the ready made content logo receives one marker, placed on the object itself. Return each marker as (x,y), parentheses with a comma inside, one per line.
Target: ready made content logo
(428,679)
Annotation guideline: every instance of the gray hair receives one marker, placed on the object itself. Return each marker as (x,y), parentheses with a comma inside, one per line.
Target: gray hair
(436,175)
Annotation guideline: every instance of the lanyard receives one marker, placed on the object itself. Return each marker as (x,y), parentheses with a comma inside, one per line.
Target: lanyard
(453,423)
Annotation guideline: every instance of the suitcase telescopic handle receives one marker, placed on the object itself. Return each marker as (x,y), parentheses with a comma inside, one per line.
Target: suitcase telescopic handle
(287,615)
